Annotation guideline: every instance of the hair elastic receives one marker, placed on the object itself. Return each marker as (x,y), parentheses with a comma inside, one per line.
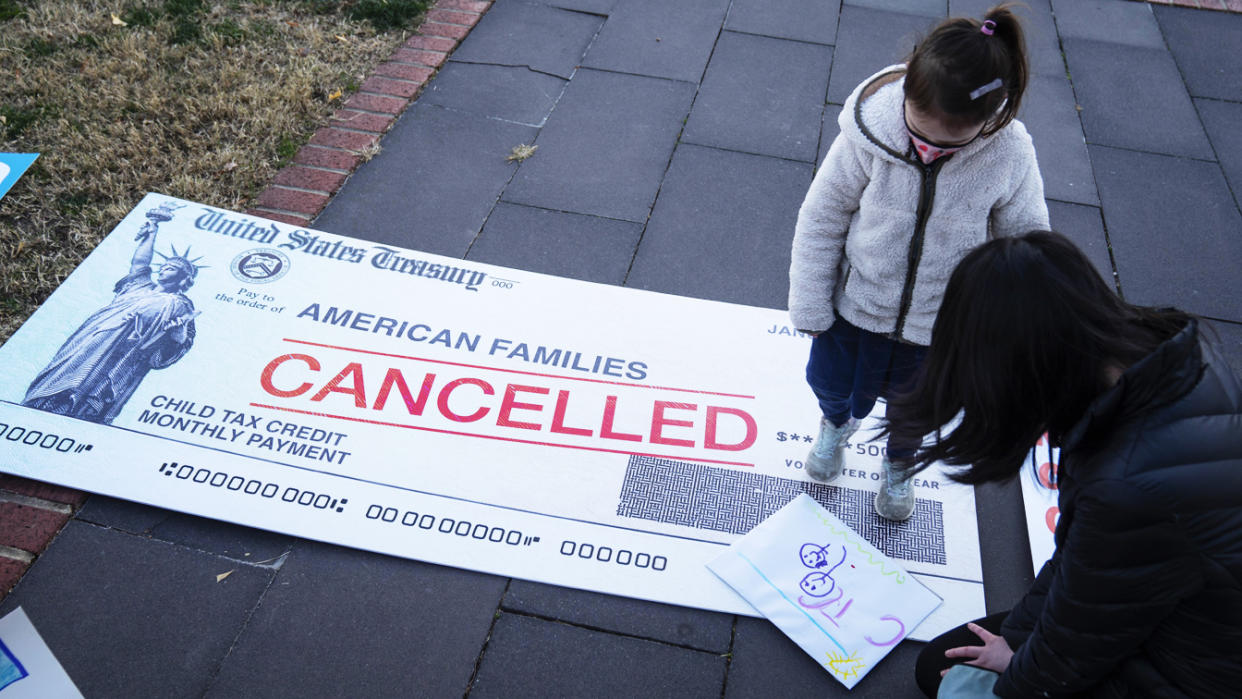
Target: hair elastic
(985,89)
(988,28)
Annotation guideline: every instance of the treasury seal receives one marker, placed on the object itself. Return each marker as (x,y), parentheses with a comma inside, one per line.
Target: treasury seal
(260,265)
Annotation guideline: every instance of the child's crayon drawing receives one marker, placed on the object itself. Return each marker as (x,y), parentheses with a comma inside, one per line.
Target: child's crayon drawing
(835,595)
(1039,499)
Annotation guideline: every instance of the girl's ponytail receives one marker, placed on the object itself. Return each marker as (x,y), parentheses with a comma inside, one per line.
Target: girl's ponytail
(1007,30)
(971,71)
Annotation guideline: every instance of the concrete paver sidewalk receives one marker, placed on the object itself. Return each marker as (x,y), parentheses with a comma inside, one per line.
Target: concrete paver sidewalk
(676,141)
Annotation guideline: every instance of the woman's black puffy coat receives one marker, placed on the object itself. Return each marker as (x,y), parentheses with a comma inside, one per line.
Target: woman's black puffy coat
(1143,596)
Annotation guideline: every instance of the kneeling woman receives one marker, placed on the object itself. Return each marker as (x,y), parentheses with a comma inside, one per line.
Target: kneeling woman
(1143,596)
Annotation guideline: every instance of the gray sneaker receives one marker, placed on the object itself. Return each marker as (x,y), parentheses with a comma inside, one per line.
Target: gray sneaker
(895,500)
(824,461)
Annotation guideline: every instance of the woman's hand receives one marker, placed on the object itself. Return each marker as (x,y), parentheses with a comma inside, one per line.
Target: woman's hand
(994,654)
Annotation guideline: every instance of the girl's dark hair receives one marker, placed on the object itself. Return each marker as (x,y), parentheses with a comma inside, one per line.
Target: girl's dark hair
(1022,344)
(958,58)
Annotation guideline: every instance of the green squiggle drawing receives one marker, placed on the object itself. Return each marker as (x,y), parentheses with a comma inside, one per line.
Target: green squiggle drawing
(898,577)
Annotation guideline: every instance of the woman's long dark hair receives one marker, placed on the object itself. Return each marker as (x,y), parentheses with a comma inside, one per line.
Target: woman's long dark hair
(1023,342)
(957,59)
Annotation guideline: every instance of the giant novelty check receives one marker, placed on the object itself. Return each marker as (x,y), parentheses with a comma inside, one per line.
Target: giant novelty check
(442,410)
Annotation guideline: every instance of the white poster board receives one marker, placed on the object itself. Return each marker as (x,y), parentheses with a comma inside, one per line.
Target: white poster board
(838,597)
(28,669)
(459,413)
(1039,500)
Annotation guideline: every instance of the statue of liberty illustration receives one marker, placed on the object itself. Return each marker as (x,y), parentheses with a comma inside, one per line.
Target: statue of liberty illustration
(149,324)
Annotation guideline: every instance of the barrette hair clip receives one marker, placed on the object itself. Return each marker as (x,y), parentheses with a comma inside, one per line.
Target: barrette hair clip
(985,89)
(988,27)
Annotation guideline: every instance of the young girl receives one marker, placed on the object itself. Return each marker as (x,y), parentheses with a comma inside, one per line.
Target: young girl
(1143,595)
(929,164)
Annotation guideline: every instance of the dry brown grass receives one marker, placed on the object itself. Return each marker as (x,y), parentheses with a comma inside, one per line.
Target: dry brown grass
(119,111)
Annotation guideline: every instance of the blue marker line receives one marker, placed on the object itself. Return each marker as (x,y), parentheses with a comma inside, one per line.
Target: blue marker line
(11,669)
(791,602)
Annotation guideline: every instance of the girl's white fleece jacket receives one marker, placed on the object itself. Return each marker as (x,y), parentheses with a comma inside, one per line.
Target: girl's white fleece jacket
(879,233)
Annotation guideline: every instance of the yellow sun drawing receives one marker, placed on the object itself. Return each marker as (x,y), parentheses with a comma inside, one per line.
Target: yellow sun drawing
(844,667)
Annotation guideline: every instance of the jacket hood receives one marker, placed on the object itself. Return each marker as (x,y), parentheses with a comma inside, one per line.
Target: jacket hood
(1168,373)
(874,118)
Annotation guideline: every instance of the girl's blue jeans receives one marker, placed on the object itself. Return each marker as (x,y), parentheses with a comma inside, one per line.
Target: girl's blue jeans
(850,368)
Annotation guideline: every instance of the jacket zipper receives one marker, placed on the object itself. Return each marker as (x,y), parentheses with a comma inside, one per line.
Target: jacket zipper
(927,196)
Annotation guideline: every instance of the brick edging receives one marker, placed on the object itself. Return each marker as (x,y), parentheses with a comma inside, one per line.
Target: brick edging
(33,513)
(319,169)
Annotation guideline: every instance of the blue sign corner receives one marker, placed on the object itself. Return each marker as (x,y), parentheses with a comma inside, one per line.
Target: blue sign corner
(13,166)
